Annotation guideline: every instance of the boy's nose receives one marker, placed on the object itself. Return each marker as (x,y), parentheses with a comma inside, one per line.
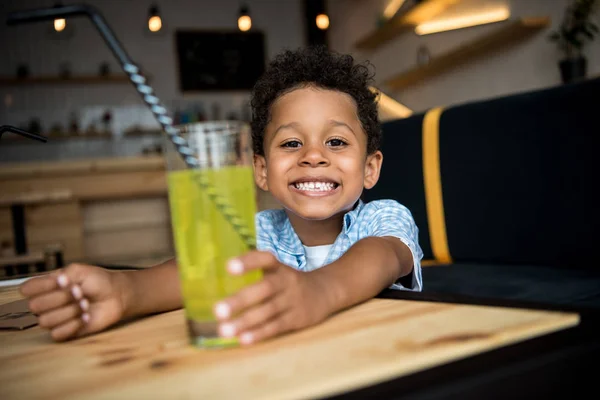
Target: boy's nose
(314,157)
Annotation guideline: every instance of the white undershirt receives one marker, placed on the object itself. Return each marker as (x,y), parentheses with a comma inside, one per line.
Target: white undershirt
(316,255)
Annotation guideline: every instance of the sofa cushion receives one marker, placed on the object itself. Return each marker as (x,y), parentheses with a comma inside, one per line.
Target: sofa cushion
(532,283)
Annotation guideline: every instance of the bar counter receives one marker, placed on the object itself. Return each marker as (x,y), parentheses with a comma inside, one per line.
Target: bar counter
(103,211)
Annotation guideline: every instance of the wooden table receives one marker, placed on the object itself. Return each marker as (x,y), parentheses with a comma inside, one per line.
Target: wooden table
(149,358)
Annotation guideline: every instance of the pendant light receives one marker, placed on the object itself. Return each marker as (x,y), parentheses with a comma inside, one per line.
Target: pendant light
(244,20)
(322,21)
(154,19)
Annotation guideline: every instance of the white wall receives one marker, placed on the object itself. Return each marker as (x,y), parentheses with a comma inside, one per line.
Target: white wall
(281,21)
(528,65)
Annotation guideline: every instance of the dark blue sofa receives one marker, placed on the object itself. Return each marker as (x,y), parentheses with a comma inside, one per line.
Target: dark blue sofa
(516,213)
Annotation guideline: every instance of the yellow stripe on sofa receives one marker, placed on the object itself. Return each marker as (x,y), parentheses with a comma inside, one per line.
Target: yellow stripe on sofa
(433,186)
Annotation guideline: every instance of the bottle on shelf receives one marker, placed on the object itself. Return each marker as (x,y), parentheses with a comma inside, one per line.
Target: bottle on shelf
(73,125)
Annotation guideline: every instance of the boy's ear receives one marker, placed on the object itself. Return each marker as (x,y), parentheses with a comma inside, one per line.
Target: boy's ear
(260,172)
(372,169)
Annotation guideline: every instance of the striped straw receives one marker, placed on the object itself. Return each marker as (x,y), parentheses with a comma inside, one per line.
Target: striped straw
(160,113)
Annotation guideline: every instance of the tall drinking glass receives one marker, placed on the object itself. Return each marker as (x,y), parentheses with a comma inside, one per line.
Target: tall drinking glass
(212,210)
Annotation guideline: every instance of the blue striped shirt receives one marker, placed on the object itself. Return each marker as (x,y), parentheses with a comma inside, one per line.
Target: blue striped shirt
(376,218)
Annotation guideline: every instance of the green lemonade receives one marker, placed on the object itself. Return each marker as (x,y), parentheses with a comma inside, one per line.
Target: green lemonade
(205,239)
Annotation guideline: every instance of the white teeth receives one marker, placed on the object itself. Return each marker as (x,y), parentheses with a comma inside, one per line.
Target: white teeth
(315,186)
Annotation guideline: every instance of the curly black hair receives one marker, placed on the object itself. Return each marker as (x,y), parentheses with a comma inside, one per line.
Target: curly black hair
(318,66)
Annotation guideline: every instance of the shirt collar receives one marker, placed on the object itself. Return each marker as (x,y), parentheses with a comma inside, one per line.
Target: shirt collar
(290,242)
(352,215)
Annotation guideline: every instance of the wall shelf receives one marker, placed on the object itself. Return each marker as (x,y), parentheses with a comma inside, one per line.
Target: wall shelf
(404,22)
(12,138)
(512,32)
(82,79)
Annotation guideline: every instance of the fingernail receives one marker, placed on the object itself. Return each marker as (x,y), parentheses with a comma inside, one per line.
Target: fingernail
(85,318)
(62,281)
(84,304)
(222,310)
(235,266)
(246,338)
(76,292)
(227,330)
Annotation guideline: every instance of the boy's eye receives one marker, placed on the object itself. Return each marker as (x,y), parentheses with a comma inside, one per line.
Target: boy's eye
(292,144)
(336,142)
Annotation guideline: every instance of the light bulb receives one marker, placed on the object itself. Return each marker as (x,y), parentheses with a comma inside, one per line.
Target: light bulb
(244,23)
(154,23)
(60,24)
(322,21)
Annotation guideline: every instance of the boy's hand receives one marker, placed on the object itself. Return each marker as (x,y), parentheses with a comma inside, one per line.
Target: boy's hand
(284,300)
(76,300)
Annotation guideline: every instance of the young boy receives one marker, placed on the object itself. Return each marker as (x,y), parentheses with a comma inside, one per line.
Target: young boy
(316,135)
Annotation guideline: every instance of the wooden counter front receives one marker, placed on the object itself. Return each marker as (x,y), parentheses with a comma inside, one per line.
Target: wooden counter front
(117,211)
(89,179)
(150,358)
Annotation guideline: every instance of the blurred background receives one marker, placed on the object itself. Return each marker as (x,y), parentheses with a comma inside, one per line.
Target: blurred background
(97,191)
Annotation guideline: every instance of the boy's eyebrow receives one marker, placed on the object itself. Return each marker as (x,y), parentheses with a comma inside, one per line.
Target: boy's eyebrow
(334,122)
(296,125)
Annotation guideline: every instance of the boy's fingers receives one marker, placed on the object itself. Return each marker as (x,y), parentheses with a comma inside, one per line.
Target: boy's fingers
(247,297)
(251,261)
(59,316)
(254,317)
(73,274)
(59,279)
(36,286)
(67,330)
(94,320)
(50,301)
(275,327)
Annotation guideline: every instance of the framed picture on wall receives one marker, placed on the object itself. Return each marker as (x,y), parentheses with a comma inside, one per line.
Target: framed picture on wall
(219,60)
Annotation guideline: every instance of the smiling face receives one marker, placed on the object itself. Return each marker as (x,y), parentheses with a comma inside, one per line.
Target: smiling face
(316,163)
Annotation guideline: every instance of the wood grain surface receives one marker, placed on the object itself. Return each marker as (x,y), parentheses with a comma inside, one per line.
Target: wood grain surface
(81,167)
(150,358)
(8,294)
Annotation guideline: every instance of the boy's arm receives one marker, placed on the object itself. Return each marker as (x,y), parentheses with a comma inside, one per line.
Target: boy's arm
(368,267)
(152,290)
(287,299)
(81,299)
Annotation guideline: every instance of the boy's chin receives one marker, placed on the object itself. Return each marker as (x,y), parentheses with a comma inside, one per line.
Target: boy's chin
(314,214)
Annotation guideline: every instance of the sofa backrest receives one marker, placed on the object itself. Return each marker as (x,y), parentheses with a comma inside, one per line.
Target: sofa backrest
(517,177)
